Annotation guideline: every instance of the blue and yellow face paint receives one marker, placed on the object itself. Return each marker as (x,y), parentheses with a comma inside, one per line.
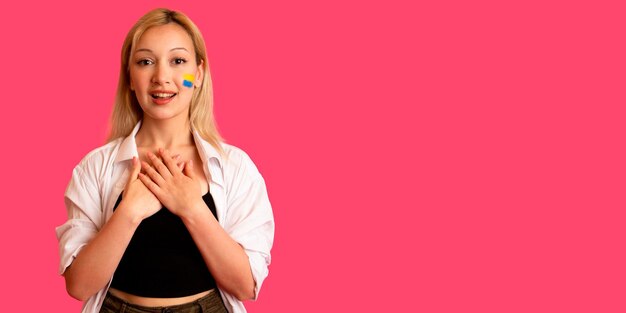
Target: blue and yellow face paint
(188,80)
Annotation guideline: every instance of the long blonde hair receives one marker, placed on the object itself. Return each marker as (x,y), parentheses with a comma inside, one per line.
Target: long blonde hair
(127,112)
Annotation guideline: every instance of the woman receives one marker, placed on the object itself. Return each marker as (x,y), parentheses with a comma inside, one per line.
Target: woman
(165,217)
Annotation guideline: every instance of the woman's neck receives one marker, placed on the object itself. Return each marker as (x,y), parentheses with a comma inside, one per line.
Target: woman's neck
(167,134)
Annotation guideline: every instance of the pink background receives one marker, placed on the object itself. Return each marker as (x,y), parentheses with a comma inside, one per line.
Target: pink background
(455,156)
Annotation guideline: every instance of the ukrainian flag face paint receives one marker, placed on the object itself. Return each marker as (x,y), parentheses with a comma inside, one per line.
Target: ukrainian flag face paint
(188,80)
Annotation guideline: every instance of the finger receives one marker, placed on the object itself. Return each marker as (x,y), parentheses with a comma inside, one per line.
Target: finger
(188,171)
(176,159)
(152,173)
(159,166)
(135,169)
(154,188)
(180,165)
(169,161)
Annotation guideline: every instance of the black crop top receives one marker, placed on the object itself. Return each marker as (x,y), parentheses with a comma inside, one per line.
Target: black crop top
(162,260)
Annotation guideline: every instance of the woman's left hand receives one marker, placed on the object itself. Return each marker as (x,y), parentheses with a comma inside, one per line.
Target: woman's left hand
(178,190)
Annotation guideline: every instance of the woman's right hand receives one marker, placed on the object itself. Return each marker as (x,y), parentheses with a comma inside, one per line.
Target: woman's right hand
(136,197)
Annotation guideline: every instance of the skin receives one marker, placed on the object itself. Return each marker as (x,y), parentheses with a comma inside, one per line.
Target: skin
(160,179)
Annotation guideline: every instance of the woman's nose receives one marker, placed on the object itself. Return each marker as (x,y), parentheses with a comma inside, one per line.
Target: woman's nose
(161,74)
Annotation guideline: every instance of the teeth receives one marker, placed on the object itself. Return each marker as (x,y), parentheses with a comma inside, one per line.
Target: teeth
(163,95)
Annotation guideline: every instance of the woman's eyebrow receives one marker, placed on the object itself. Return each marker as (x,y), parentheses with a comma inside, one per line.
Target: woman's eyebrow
(148,50)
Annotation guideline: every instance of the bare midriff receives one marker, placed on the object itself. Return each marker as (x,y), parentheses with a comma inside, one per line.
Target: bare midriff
(153,302)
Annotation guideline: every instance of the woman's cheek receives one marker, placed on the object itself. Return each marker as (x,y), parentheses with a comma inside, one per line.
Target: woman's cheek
(188,81)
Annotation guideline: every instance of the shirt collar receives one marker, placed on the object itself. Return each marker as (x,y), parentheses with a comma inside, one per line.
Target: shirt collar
(128,148)
(205,149)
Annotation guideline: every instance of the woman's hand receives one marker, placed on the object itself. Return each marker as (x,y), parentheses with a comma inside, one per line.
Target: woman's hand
(177,189)
(138,197)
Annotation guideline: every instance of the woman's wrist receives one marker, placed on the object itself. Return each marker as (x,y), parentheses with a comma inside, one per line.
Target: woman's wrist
(194,212)
(128,214)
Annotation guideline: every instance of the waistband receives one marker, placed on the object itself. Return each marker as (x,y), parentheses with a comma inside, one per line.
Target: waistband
(210,303)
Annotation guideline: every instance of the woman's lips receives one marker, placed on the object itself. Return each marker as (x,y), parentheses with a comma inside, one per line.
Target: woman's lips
(161,100)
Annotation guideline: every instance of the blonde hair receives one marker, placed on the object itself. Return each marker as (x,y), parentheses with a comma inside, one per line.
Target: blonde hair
(127,112)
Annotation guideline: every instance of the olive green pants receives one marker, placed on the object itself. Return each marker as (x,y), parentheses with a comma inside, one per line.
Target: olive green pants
(211,303)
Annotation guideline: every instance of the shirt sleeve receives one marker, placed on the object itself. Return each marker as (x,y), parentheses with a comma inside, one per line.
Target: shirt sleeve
(84,217)
(250,219)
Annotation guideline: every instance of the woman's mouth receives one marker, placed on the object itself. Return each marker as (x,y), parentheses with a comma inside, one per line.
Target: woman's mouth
(162,97)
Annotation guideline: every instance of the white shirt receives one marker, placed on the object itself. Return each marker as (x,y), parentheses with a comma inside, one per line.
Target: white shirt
(238,189)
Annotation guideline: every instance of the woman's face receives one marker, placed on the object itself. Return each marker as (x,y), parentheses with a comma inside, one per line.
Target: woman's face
(163,71)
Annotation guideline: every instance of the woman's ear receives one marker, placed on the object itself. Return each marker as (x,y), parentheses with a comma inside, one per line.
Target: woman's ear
(199,74)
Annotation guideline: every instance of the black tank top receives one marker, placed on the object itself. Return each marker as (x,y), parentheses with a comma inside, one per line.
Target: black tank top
(162,260)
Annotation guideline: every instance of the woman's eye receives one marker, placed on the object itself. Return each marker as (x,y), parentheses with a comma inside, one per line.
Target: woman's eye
(144,62)
(179,61)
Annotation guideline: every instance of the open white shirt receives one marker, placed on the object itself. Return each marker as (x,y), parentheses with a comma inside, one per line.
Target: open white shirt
(238,189)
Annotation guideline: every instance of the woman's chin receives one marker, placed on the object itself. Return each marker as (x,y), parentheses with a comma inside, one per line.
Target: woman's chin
(160,114)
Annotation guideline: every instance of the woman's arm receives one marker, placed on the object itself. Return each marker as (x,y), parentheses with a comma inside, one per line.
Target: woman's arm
(95,264)
(226,259)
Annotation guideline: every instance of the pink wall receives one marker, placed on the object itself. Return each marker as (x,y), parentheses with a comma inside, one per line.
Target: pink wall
(458,156)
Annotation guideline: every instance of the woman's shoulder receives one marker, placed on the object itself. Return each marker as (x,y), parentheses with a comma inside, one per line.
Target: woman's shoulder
(232,151)
(97,157)
(236,158)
